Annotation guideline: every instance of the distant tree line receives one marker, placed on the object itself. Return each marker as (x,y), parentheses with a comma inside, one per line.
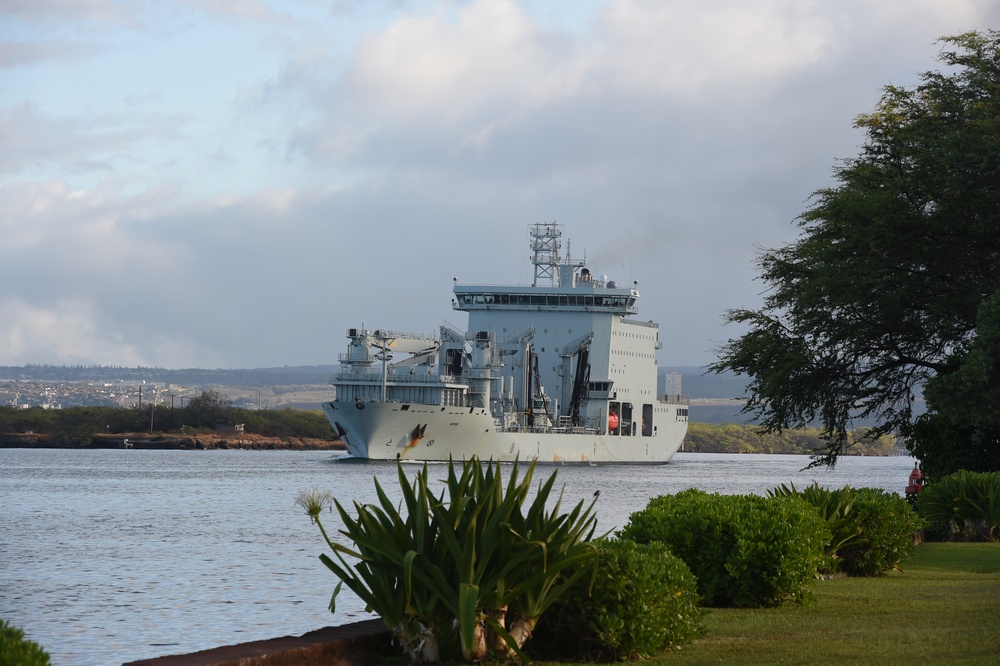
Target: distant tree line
(306,374)
(78,425)
(738,438)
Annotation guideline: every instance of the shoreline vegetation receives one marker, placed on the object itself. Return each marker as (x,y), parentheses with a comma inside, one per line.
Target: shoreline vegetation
(701,438)
(21,429)
(742,438)
(175,441)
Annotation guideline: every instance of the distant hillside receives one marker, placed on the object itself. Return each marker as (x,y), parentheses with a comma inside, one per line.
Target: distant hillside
(281,376)
(715,398)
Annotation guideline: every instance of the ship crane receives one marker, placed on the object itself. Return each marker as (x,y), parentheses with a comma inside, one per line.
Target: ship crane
(574,387)
(386,342)
(538,411)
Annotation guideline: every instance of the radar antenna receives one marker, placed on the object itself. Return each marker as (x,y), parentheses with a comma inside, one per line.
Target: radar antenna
(545,243)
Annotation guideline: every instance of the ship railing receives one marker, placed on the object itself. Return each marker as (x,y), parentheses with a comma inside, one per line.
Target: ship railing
(549,429)
(395,378)
(521,426)
(636,322)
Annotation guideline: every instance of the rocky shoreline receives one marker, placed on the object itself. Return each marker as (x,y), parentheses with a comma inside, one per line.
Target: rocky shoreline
(172,441)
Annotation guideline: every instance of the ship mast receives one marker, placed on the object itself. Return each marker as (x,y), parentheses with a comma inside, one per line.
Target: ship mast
(545,243)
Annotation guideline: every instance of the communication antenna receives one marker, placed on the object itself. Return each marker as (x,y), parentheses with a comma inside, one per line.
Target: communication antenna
(545,244)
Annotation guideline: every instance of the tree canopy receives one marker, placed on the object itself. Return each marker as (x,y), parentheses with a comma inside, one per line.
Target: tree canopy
(893,286)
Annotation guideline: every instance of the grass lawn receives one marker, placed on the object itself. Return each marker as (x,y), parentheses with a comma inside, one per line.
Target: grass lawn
(942,608)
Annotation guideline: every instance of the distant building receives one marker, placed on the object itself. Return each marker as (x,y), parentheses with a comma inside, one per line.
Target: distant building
(673,384)
(230,427)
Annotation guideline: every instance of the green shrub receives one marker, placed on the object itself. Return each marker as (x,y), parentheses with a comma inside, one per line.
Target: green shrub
(965,504)
(744,550)
(642,601)
(836,507)
(887,527)
(15,650)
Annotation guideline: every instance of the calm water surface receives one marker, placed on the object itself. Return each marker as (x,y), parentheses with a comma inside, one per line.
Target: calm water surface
(116,555)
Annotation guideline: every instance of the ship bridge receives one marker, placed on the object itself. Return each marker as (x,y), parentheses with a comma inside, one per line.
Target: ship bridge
(614,301)
(560,285)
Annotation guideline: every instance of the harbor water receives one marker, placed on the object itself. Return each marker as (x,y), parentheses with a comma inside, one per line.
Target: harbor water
(108,556)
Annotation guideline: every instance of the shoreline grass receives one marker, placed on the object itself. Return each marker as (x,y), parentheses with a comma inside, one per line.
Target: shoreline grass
(943,607)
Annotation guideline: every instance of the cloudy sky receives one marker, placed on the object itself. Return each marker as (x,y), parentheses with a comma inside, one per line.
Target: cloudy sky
(234,183)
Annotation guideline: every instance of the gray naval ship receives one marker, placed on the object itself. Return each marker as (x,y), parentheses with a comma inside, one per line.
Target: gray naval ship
(559,371)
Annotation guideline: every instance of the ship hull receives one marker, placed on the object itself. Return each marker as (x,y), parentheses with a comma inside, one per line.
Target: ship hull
(412,432)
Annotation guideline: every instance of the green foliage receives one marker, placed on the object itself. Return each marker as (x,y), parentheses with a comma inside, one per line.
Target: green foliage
(744,550)
(209,409)
(286,422)
(15,650)
(836,507)
(870,530)
(642,602)
(966,503)
(76,426)
(887,527)
(738,438)
(943,610)
(882,294)
(963,429)
(478,554)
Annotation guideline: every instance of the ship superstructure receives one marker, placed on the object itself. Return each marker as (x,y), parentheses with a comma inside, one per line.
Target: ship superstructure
(559,371)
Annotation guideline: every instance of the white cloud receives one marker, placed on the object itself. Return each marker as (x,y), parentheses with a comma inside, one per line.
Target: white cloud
(34,140)
(176,207)
(446,64)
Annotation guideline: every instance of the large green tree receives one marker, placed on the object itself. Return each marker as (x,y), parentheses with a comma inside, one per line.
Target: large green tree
(893,285)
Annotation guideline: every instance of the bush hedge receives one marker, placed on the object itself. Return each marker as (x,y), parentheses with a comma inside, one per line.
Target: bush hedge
(836,507)
(642,601)
(16,650)
(744,550)
(964,506)
(871,530)
(887,525)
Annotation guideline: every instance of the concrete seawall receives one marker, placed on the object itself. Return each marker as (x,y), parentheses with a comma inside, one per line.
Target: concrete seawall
(357,644)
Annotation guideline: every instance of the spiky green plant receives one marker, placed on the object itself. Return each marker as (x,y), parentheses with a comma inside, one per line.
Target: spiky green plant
(556,549)
(836,507)
(466,555)
(967,502)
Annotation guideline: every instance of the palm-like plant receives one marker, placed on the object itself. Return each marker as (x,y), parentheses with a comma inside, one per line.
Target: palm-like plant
(559,549)
(968,502)
(466,555)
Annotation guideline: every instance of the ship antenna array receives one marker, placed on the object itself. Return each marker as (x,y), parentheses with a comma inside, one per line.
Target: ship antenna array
(545,244)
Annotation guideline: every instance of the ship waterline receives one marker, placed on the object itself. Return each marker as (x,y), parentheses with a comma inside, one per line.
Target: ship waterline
(395,431)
